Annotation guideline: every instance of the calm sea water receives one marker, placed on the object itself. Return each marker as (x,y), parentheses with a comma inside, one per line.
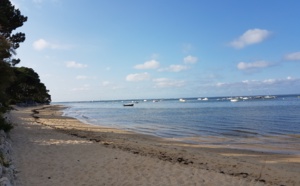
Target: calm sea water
(196,120)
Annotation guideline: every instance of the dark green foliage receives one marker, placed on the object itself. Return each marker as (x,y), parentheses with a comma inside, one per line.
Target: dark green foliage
(3,161)
(4,109)
(4,125)
(17,84)
(27,87)
(6,78)
(10,19)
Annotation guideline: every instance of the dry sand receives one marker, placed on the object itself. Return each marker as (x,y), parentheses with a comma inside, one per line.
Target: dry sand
(50,149)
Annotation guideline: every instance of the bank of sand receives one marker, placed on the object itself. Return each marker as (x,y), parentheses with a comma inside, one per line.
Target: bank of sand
(50,149)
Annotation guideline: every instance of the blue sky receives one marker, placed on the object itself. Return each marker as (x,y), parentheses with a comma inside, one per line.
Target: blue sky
(136,49)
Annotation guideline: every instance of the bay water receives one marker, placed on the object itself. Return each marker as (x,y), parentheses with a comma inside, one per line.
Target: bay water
(216,121)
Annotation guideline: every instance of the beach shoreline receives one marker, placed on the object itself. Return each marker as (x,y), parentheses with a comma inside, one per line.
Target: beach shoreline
(250,125)
(227,165)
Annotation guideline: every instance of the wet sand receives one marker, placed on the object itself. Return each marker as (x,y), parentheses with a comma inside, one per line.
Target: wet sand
(50,149)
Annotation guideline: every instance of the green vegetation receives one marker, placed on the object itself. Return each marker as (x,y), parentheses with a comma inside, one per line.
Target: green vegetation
(4,125)
(18,85)
(27,88)
(3,162)
(10,19)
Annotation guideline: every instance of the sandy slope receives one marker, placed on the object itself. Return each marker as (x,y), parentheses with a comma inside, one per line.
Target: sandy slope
(53,150)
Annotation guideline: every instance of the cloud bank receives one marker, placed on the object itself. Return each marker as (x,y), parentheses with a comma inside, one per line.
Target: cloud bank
(190,59)
(174,68)
(152,64)
(42,44)
(293,56)
(138,77)
(253,65)
(258,84)
(250,37)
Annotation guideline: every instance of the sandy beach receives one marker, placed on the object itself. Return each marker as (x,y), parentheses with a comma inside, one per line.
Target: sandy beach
(50,149)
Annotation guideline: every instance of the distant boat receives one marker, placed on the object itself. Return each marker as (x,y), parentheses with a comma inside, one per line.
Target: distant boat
(234,100)
(128,105)
(269,97)
(182,100)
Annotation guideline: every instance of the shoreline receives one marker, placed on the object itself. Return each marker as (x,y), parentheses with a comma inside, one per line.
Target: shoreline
(235,164)
(277,143)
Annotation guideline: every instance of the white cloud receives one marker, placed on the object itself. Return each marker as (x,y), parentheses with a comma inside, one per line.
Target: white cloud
(253,65)
(165,82)
(174,68)
(286,80)
(138,77)
(190,59)
(177,68)
(257,84)
(293,56)
(250,37)
(73,64)
(152,64)
(81,77)
(42,44)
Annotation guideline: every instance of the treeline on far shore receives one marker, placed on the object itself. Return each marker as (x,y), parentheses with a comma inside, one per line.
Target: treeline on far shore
(18,85)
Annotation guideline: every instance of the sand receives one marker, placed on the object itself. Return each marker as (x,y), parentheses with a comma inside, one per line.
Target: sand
(50,149)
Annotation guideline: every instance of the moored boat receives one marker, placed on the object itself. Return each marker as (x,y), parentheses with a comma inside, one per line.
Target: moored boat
(128,105)
(234,99)
(182,100)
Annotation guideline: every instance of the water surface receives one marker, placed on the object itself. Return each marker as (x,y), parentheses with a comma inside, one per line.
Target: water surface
(274,122)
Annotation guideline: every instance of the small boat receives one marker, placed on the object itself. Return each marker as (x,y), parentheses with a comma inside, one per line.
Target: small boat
(128,105)
(269,97)
(182,100)
(234,99)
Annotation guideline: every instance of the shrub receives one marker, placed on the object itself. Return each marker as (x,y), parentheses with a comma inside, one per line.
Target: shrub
(3,162)
(4,125)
